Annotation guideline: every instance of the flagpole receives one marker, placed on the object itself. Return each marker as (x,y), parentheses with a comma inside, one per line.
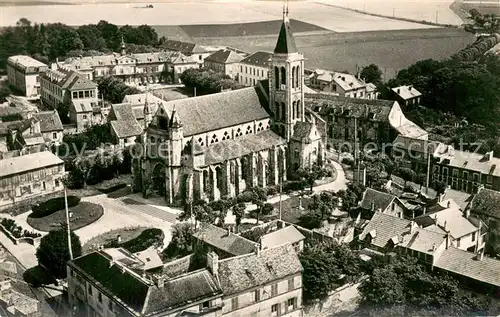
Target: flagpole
(67,224)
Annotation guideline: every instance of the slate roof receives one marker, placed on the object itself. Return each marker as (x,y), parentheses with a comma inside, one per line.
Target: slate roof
(326,104)
(387,227)
(260,58)
(49,121)
(181,290)
(212,112)
(280,237)
(122,112)
(245,272)
(286,42)
(406,92)
(380,200)
(121,283)
(462,199)
(240,146)
(184,47)
(68,79)
(464,263)
(472,161)
(125,129)
(416,145)
(224,56)
(227,242)
(29,162)
(486,202)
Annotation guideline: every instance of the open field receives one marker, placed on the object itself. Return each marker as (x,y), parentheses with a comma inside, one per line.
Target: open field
(392,50)
(487,6)
(203,12)
(419,10)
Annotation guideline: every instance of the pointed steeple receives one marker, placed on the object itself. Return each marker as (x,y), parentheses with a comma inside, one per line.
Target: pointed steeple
(123,47)
(286,42)
(175,121)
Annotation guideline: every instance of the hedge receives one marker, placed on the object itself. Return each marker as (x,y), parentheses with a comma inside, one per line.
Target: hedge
(147,238)
(110,189)
(52,205)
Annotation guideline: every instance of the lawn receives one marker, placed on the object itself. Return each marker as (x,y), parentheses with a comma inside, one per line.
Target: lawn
(290,211)
(173,93)
(126,234)
(83,214)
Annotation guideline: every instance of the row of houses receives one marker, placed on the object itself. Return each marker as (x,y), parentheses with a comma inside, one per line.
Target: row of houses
(239,278)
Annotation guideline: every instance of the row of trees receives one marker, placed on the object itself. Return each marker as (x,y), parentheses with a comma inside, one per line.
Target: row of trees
(207,81)
(47,42)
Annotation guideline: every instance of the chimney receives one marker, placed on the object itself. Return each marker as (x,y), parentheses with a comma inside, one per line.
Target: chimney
(373,206)
(160,280)
(467,213)
(449,204)
(257,248)
(410,87)
(228,230)
(434,247)
(213,263)
(412,227)
(440,198)
(445,226)
(447,240)
(480,255)
(397,90)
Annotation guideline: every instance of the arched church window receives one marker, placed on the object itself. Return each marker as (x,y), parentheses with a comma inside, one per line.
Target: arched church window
(226,136)
(152,139)
(276,77)
(239,132)
(296,153)
(293,77)
(260,127)
(297,111)
(215,139)
(297,77)
(200,142)
(249,130)
(283,76)
(283,111)
(293,110)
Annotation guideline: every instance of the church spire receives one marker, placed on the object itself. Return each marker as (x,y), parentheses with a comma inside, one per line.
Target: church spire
(286,42)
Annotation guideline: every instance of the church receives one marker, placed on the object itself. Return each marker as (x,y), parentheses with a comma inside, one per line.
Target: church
(218,145)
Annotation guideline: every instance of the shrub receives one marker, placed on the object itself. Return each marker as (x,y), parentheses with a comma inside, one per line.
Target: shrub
(52,205)
(245,197)
(290,186)
(272,190)
(347,161)
(112,188)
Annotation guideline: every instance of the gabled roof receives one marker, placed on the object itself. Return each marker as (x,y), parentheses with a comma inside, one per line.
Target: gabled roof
(49,121)
(68,79)
(376,199)
(406,92)
(224,240)
(280,237)
(246,272)
(181,290)
(29,162)
(216,111)
(326,104)
(259,58)
(486,203)
(465,263)
(286,42)
(122,112)
(82,106)
(126,128)
(224,56)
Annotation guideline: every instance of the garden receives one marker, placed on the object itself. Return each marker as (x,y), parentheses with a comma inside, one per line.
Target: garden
(51,214)
(132,239)
(17,231)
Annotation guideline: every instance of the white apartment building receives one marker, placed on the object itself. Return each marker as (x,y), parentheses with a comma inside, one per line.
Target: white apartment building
(23,73)
(253,68)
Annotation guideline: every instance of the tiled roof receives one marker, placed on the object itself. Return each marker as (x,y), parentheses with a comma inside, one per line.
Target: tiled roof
(181,290)
(122,112)
(184,47)
(245,272)
(406,92)
(125,129)
(68,79)
(377,199)
(486,203)
(121,283)
(286,42)
(224,56)
(240,146)
(280,237)
(260,58)
(302,131)
(224,240)
(82,105)
(29,162)
(326,104)
(387,227)
(416,145)
(465,263)
(216,111)
(462,199)
(345,81)
(49,121)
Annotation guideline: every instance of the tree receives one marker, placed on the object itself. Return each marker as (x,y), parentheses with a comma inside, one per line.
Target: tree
(200,212)
(323,266)
(207,81)
(53,252)
(259,198)
(4,93)
(182,241)
(312,174)
(239,213)
(407,174)
(351,196)
(372,74)
(114,90)
(320,208)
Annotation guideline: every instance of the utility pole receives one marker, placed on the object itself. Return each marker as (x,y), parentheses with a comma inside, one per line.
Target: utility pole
(67,223)
(195,91)
(437,15)
(393,12)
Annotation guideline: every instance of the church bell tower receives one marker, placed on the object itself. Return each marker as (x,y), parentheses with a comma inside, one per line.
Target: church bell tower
(286,81)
